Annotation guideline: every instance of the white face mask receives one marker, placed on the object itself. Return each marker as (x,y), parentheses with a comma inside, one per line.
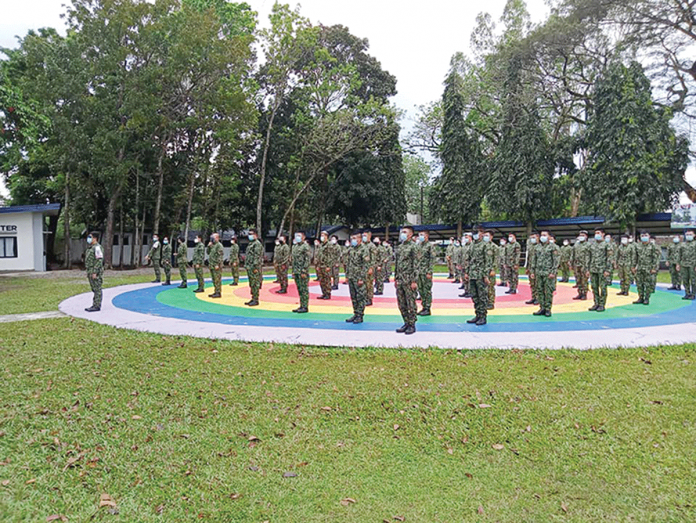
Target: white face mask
(544,239)
(333,241)
(365,238)
(476,236)
(676,240)
(624,241)
(196,240)
(689,237)
(533,241)
(511,239)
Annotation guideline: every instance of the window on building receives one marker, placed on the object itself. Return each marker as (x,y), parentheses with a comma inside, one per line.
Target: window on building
(126,239)
(116,240)
(8,247)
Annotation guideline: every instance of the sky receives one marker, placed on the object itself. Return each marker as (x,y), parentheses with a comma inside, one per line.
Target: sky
(414,41)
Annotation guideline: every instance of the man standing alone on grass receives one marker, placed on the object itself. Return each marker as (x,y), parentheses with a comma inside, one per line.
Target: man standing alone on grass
(198,260)
(94,265)
(253,262)
(356,272)
(481,263)
(215,258)
(686,265)
(543,272)
(301,258)
(155,256)
(182,262)
(405,280)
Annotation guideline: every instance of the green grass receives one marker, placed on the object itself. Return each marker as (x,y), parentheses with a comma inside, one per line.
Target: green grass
(167,427)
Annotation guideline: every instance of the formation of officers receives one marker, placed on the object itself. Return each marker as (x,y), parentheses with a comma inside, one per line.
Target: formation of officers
(474,261)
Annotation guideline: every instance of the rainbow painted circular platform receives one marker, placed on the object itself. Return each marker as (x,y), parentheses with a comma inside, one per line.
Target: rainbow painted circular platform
(511,323)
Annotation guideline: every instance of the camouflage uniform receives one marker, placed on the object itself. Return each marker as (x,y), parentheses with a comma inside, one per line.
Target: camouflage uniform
(167,262)
(457,258)
(531,252)
(673,260)
(324,266)
(370,281)
(281,256)
(624,264)
(653,275)
(382,253)
(645,261)
(405,275)
(155,256)
(389,256)
(581,251)
(687,265)
(481,263)
(301,258)
(449,252)
(182,263)
(334,254)
(253,263)
(425,259)
(234,263)
(512,260)
(356,272)
(94,265)
(345,255)
(198,261)
(566,254)
(493,252)
(502,266)
(544,266)
(600,260)
(612,265)
(216,256)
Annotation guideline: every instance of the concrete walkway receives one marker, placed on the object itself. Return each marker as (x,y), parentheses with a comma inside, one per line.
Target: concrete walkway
(580,339)
(9,318)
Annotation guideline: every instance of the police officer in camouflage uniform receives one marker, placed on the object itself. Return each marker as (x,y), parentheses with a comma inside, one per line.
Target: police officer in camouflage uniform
(406,279)
(167,261)
(281,256)
(336,254)
(425,258)
(581,265)
(234,261)
(301,259)
(512,261)
(481,264)
(182,261)
(532,244)
(155,256)
(356,272)
(216,256)
(672,262)
(253,263)
(324,265)
(566,254)
(646,261)
(686,264)
(543,270)
(624,264)
(94,266)
(599,263)
(198,261)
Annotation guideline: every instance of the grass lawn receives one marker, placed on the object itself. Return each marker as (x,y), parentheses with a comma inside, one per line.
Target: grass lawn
(177,429)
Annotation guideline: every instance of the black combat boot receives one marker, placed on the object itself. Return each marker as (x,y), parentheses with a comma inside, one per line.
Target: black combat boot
(593,308)
(481,321)
(215,295)
(167,283)
(281,291)
(410,329)
(253,303)
(601,308)
(424,312)
(351,319)
(402,329)
(474,319)
(93,309)
(199,290)
(540,312)
(358,319)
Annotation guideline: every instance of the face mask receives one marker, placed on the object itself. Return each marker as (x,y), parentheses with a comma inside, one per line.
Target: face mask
(196,240)
(581,239)
(566,243)
(403,236)
(486,239)
(251,237)
(689,237)
(644,239)
(166,242)
(511,239)
(364,238)
(502,243)
(277,242)
(624,241)
(324,239)
(465,240)
(608,240)
(476,236)
(333,241)
(456,244)
(676,240)
(598,237)
(155,239)
(89,239)
(630,240)
(553,242)
(533,241)
(354,243)
(298,239)
(544,239)
(347,244)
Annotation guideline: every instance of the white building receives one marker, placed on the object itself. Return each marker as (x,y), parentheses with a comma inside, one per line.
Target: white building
(22,237)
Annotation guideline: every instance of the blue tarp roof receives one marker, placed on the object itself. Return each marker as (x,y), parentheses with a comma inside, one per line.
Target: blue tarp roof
(49,208)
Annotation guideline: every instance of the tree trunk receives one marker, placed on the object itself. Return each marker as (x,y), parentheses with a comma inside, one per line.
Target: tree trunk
(160,185)
(297,197)
(191,189)
(109,234)
(264,159)
(67,263)
(134,261)
(459,229)
(121,243)
(386,232)
(141,236)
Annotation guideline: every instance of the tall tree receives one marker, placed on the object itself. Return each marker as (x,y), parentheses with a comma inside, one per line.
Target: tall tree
(636,162)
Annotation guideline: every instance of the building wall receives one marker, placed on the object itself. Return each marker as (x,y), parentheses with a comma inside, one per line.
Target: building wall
(26,242)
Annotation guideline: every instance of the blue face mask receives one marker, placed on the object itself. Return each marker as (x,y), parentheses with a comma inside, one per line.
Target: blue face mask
(532,241)
(364,238)
(166,242)
(354,242)
(486,239)
(689,237)
(251,237)
(544,239)
(89,239)
(476,236)
(598,237)
(403,236)
(298,239)
(608,240)
(645,239)
(676,240)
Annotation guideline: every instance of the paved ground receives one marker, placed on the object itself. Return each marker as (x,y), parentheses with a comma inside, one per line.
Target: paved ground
(196,323)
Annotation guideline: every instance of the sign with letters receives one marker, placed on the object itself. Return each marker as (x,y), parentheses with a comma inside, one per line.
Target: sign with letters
(684,216)
(8,229)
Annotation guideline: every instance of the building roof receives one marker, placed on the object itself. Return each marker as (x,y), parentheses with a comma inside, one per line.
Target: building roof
(49,208)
